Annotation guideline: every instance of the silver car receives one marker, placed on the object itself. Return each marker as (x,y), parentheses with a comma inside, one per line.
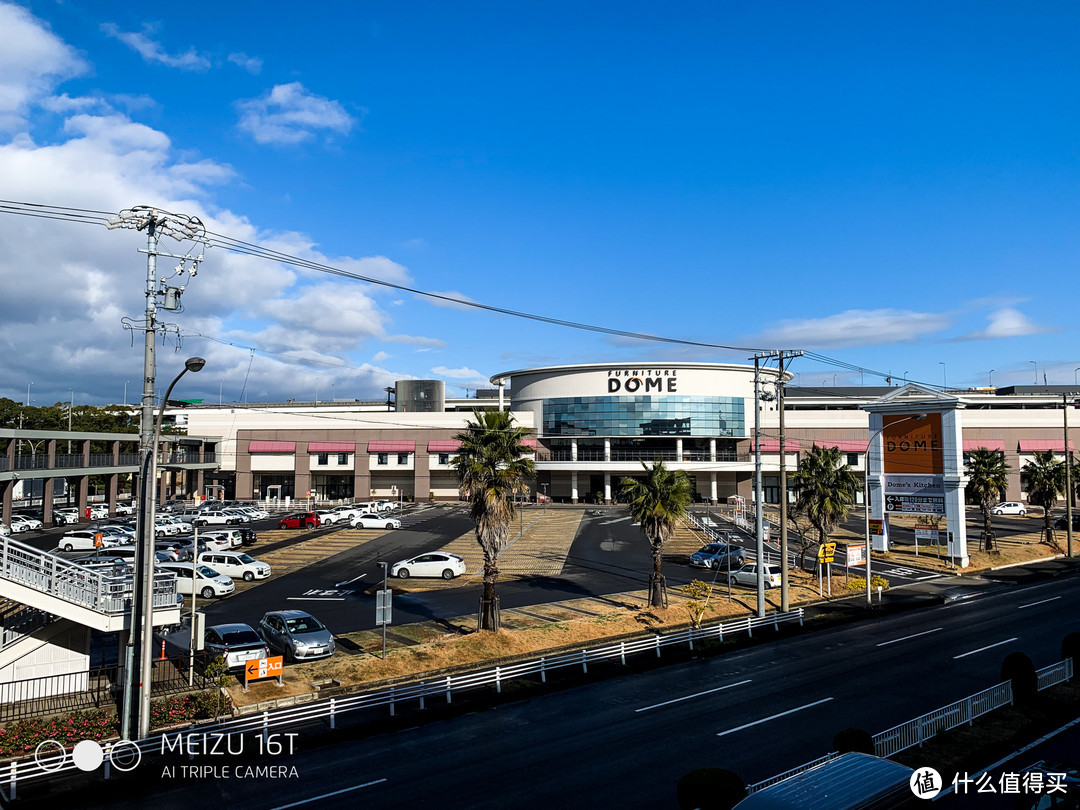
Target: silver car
(297,634)
(236,644)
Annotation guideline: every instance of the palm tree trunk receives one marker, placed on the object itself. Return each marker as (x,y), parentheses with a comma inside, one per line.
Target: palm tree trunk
(656,581)
(489,602)
(988,532)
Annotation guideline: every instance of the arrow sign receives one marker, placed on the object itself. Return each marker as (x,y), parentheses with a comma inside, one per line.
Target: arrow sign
(263,668)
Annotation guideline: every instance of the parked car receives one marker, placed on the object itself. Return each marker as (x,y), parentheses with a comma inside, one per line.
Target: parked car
(182,526)
(124,509)
(232,536)
(235,511)
(349,511)
(69,514)
(216,517)
(208,582)
(747,575)
(434,564)
(371,520)
(718,555)
(176,552)
(387,506)
(236,565)
(254,512)
(296,634)
(5,530)
(205,544)
(99,512)
(247,536)
(175,506)
(236,644)
(300,520)
(21,523)
(1009,508)
(85,540)
(1061,524)
(330,517)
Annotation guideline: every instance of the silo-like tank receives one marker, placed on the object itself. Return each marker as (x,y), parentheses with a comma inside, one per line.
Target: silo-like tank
(420,396)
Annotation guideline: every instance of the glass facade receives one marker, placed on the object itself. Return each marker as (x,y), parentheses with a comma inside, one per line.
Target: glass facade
(644,416)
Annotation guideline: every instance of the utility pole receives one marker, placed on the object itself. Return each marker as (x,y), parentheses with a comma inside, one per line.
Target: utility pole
(135,719)
(759,528)
(1068,479)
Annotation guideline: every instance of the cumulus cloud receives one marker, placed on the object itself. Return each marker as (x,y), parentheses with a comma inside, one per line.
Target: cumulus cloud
(290,114)
(454,294)
(32,62)
(380,357)
(855,327)
(152,51)
(252,64)
(1006,323)
(464,373)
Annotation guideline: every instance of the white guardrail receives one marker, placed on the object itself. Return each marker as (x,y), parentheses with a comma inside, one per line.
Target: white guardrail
(922,728)
(119,754)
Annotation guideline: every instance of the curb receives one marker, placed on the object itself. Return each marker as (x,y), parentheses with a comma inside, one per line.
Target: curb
(1028,562)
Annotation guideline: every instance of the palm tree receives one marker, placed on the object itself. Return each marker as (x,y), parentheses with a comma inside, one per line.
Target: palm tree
(657,502)
(988,481)
(491,467)
(1045,479)
(824,489)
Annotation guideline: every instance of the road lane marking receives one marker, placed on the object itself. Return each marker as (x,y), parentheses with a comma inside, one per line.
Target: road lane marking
(905,638)
(328,795)
(987,647)
(773,717)
(316,599)
(691,697)
(350,582)
(1040,602)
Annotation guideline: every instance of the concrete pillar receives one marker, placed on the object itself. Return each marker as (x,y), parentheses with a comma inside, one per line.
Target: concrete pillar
(678,449)
(713,493)
(47,491)
(361,474)
(422,475)
(302,471)
(607,487)
(81,490)
(573,449)
(607,449)
(112,488)
(502,402)
(712,451)
(7,489)
(573,486)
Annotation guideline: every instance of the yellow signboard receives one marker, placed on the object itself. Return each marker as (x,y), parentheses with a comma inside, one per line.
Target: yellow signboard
(877,527)
(825,552)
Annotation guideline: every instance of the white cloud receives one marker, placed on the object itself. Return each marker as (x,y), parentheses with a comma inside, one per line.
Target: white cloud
(854,327)
(1006,323)
(414,340)
(458,373)
(32,61)
(439,302)
(380,357)
(290,114)
(252,64)
(152,51)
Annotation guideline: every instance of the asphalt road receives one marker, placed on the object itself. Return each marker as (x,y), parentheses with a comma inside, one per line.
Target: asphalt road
(623,742)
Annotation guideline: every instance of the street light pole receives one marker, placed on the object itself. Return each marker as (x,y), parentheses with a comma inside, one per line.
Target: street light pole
(1068,479)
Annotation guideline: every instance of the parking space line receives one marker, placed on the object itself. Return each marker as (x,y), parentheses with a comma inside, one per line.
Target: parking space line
(774,716)
(905,638)
(987,647)
(691,697)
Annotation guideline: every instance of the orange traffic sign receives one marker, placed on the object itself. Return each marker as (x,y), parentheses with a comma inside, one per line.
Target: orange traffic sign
(263,668)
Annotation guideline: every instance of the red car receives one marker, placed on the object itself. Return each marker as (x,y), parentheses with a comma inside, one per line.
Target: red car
(301,520)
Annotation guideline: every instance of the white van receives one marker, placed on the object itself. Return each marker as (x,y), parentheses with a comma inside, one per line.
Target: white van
(208,582)
(237,565)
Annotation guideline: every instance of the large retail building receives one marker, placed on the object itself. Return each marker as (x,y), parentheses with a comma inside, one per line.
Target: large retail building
(592,424)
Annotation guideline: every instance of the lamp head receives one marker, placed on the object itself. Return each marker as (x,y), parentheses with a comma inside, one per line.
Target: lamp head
(194,364)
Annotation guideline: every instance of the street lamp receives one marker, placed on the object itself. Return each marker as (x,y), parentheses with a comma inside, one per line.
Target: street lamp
(866,493)
(944,376)
(28,393)
(990,378)
(71,407)
(1036,364)
(143,603)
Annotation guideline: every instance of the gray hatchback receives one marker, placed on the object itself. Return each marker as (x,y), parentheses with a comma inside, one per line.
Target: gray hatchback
(296,634)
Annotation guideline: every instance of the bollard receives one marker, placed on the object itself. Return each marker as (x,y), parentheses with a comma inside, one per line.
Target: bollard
(498,680)
(391,701)
(448,691)
(421,695)
(543,670)
(333,720)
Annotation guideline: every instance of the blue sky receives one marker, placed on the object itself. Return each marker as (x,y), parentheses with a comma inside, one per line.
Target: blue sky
(890,185)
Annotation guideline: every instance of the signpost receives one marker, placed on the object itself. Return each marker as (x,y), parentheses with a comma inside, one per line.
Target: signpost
(928,533)
(261,668)
(825,554)
(384,606)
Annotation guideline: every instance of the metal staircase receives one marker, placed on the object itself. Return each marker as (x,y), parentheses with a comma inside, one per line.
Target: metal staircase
(50,584)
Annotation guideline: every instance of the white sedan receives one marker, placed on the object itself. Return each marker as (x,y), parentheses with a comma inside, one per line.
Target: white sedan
(1009,508)
(433,564)
(21,523)
(327,518)
(369,520)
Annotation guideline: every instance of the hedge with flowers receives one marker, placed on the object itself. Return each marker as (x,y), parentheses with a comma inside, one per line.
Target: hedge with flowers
(21,737)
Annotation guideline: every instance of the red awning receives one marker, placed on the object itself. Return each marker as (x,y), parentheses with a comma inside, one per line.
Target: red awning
(983,444)
(844,445)
(443,446)
(397,446)
(529,443)
(260,446)
(331,447)
(1042,445)
(773,445)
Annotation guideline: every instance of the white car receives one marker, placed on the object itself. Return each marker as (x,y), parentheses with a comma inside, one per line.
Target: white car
(216,517)
(349,512)
(99,512)
(747,575)
(433,564)
(387,506)
(68,515)
(123,509)
(182,526)
(330,517)
(255,512)
(235,565)
(86,540)
(230,536)
(21,523)
(240,513)
(1009,508)
(208,582)
(372,521)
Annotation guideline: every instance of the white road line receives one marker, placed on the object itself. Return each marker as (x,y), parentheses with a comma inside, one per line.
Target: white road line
(1040,602)
(316,599)
(905,638)
(987,647)
(773,717)
(350,582)
(691,697)
(328,795)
